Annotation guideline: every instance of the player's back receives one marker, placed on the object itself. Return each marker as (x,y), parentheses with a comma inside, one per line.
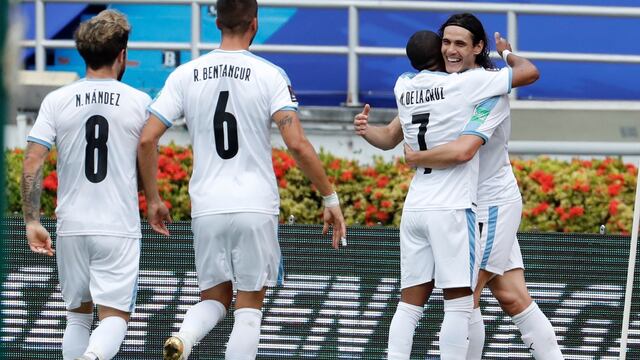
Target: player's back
(434,108)
(497,184)
(228,99)
(95,125)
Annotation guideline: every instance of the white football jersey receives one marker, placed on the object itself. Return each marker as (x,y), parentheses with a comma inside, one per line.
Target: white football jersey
(95,125)
(497,185)
(436,108)
(227,99)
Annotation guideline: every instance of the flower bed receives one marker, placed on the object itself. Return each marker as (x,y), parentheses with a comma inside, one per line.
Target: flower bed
(575,196)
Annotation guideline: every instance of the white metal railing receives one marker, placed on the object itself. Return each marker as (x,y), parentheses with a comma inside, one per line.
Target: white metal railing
(353,50)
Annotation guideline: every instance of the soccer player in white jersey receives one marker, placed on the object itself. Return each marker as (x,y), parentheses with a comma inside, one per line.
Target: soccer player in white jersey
(229,97)
(499,207)
(437,206)
(95,124)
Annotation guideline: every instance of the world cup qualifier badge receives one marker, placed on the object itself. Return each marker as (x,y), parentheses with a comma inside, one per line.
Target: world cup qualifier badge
(293,95)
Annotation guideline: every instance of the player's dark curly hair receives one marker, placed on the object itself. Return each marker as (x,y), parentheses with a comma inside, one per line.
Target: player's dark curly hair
(235,16)
(470,22)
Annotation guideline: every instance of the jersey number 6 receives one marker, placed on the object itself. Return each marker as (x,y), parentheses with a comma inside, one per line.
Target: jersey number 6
(96,150)
(220,119)
(423,120)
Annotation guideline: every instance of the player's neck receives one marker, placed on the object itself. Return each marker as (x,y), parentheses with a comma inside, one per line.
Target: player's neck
(102,73)
(234,43)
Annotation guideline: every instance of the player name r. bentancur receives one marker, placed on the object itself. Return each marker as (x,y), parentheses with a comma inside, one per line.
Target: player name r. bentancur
(98,97)
(221,70)
(415,97)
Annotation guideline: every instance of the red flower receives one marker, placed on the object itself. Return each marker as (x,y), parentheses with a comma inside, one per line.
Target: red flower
(142,203)
(542,207)
(370,172)
(386,204)
(282,183)
(51,181)
(357,204)
(613,206)
(346,176)
(616,177)
(377,195)
(631,169)
(367,189)
(560,210)
(576,211)
(544,179)
(382,216)
(383,181)
(614,189)
(168,151)
(587,163)
(335,164)
(167,204)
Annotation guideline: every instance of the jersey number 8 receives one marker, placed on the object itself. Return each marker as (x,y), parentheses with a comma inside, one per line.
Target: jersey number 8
(96,150)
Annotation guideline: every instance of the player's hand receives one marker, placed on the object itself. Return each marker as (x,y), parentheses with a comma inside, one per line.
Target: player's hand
(410,156)
(333,217)
(158,217)
(501,43)
(39,239)
(361,121)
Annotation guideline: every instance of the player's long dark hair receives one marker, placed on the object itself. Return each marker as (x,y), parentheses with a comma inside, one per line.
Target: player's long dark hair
(470,22)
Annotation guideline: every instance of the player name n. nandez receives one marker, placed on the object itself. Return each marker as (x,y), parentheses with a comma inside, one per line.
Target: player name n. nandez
(98,97)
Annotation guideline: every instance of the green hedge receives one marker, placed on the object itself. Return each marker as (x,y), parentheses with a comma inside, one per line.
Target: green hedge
(563,196)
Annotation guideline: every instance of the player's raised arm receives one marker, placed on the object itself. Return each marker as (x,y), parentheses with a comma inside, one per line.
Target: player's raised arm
(383,137)
(524,71)
(157,212)
(308,161)
(31,188)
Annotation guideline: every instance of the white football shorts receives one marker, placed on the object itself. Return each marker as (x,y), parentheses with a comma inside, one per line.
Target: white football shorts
(238,247)
(498,240)
(440,245)
(102,269)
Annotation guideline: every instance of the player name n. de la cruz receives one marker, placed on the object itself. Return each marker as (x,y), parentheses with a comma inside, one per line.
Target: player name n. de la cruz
(421,96)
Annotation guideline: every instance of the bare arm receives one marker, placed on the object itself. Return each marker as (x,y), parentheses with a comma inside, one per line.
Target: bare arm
(383,137)
(523,70)
(157,212)
(456,152)
(308,161)
(31,189)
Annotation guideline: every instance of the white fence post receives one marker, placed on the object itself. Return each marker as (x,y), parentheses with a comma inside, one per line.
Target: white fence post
(630,272)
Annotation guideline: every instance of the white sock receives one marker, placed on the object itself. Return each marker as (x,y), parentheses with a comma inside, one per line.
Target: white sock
(76,335)
(199,321)
(402,329)
(454,334)
(476,335)
(244,338)
(538,334)
(106,339)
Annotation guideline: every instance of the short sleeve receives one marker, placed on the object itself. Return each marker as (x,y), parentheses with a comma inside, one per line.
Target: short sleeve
(487,116)
(168,104)
(44,129)
(283,96)
(479,85)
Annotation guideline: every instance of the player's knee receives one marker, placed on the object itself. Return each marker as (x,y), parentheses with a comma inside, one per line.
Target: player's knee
(222,293)
(454,293)
(512,302)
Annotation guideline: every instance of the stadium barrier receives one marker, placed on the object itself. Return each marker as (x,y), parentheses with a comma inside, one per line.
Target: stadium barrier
(333,304)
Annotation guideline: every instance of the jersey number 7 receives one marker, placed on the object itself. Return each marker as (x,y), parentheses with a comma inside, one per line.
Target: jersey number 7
(423,120)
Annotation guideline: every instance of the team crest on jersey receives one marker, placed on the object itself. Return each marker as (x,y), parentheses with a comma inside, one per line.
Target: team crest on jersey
(293,95)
